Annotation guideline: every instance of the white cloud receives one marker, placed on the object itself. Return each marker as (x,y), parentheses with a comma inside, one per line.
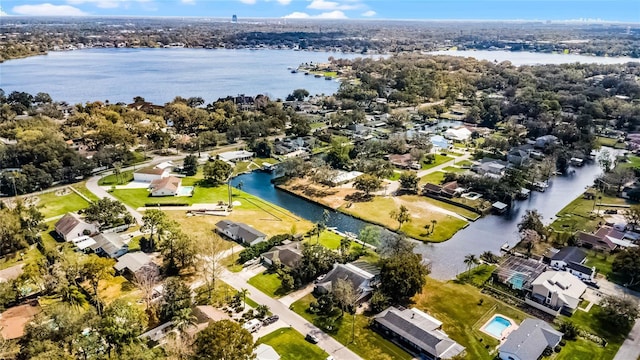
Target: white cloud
(369,13)
(2,13)
(47,10)
(284,2)
(332,5)
(105,4)
(248,2)
(188,2)
(325,15)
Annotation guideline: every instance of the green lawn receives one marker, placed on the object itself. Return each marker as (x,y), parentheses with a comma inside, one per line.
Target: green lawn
(328,239)
(602,262)
(605,141)
(478,275)
(459,308)
(439,160)
(368,344)
(578,214)
(268,283)
(454,169)
(394,176)
(291,345)
(456,209)
(464,163)
(52,205)
(82,188)
(434,178)
(124,178)
(634,162)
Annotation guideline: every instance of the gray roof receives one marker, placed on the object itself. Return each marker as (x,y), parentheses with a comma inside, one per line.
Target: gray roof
(132,261)
(356,275)
(240,231)
(570,254)
(419,329)
(109,243)
(530,339)
(288,255)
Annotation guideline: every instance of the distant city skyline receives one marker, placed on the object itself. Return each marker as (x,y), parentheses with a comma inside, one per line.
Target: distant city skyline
(562,10)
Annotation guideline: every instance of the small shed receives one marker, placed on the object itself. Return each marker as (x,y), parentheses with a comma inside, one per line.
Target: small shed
(499,207)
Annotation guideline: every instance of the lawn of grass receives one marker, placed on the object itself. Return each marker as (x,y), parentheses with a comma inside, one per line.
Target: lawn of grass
(578,214)
(378,211)
(125,178)
(439,160)
(478,275)
(456,209)
(434,178)
(464,163)
(268,283)
(458,307)
(328,239)
(317,125)
(368,343)
(395,176)
(454,169)
(291,345)
(52,205)
(605,141)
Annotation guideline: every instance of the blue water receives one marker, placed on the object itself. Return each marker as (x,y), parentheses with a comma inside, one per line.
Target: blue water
(497,326)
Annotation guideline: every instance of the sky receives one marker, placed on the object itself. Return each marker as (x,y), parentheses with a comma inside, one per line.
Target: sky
(600,10)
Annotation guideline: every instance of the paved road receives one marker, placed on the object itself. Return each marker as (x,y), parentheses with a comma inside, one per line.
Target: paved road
(630,349)
(290,318)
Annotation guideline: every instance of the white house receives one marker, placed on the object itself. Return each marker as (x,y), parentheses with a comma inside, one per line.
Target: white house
(458,134)
(165,187)
(240,232)
(71,227)
(149,174)
(234,156)
(558,291)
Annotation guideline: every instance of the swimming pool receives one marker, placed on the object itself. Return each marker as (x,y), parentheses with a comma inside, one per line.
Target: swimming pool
(497,326)
(185,191)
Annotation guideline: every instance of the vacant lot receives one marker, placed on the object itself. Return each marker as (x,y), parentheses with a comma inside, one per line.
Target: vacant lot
(51,204)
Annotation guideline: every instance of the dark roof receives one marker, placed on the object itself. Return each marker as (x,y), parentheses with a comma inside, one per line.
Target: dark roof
(419,330)
(239,231)
(354,274)
(570,254)
(594,241)
(288,255)
(581,268)
(530,339)
(68,222)
(429,187)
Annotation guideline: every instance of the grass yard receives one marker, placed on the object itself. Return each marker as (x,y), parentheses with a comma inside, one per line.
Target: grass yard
(291,345)
(436,177)
(578,215)
(377,212)
(605,141)
(268,283)
(124,178)
(458,307)
(634,163)
(368,344)
(52,205)
(395,176)
(454,169)
(478,275)
(456,209)
(328,239)
(439,160)
(81,187)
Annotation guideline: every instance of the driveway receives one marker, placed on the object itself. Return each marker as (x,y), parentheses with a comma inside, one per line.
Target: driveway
(630,349)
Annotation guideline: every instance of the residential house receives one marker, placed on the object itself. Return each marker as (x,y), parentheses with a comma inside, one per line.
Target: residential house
(440,143)
(343,177)
(362,276)
(449,189)
(490,167)
(402,161)
(591,241)
(520,156)
(529,341)
(620,238)
(240,232)
(555,292)
(572,259)
(518,273)
(458,134)
(417,332)
(288,255)
(149,174)
(546,140)
(167,186)
(109,244)
(132,262)
(235,156)
(71,226)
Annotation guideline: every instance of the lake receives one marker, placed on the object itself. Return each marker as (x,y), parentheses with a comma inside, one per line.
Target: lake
(530,58)
(159,75)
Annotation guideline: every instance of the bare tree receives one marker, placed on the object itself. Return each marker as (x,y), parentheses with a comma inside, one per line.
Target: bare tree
(211,252)
(179,346)
(146,279)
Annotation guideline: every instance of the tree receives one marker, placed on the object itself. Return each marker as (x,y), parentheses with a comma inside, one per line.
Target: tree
(632,215)
(152,221)
(224,340)
(627,264)
(470,260)
(299,94)
(300,126)
(409,181)
(243,293)
(121,324)
(392,244)
(345,243)
(177,248)
(344,294)
(619,313)
(532,220)
(402,276)
(367,184)
(402,215)
(177,296)
(95,269)
(211,252)
(370,234)
(190,165)
(570,330)
(107,213)
(182,319)
(42,98)
(604,160)
(146,278)
(217,172)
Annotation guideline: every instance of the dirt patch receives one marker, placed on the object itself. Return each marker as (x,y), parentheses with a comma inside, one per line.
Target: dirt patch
(333,197)
(63,192)
(13,321)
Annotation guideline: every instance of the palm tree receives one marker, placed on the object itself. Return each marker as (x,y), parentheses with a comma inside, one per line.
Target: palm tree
(345,242)
(470,260)
(433,225)
(182,319)
(243,292)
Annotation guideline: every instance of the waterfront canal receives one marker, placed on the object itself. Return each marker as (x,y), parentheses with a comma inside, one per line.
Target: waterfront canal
(486,234)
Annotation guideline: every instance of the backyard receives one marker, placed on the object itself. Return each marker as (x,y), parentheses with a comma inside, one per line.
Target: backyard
(291,345)
(55,203)
(579,214)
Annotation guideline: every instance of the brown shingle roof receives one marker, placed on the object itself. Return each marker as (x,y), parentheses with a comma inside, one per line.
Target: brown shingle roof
(151,171)
(170,183)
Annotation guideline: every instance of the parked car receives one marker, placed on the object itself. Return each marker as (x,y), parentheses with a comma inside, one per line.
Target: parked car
(311,338)
(252,325)
(319,278)
(270,320)
(251,262)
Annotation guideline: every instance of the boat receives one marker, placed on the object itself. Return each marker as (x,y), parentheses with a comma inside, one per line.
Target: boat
(294,71)
(317,75)
(328,78)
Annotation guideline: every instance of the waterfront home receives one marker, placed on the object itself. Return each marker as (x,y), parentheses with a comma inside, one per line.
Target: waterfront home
(529,341)
(620,238)
(448,190)
(362,276)
(459,134)
(518,273)
(490,167)
(343,177)
(240,232)
(546,140)
(71,227)
(556,291)
(572,259)
(110,245)
(165,187)
(591,241)
(520,156)
(417,332)
(288,255)
(150,173)
(235,156)
(440,143)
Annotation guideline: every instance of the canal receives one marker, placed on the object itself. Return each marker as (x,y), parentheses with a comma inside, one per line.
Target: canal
(486,234)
